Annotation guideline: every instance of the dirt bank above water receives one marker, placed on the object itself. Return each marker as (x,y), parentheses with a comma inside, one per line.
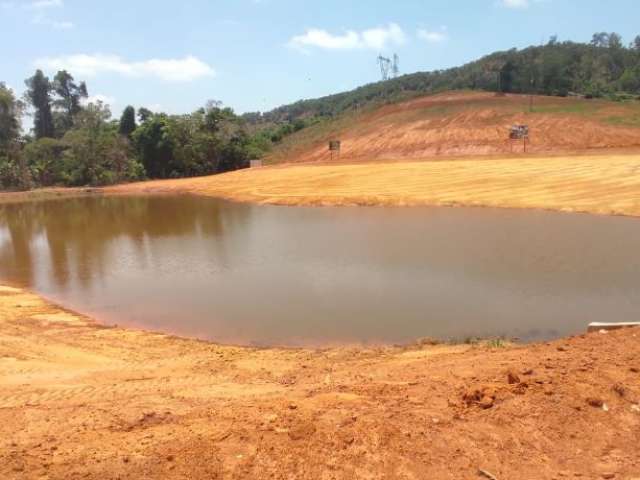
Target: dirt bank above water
(78,400)
(598,184)
(606,184)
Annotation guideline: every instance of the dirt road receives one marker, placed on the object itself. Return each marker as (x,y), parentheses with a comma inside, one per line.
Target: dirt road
(78,400)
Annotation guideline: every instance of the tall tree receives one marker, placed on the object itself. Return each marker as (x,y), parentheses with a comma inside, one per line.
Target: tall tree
(39,96)
(127,121)
(13,169)
(144,114)
(70,95)
(10,110)
(600,39)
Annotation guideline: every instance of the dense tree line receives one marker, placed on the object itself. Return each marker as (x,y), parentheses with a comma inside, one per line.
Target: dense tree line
(605,67)
(75,142)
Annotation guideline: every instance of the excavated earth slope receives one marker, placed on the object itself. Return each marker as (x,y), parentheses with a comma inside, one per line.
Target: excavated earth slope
(469,123)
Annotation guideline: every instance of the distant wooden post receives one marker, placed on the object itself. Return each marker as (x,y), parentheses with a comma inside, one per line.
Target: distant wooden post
(519,132)
(334,148)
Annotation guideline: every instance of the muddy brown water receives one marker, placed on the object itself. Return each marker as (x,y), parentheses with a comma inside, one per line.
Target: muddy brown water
(270,275)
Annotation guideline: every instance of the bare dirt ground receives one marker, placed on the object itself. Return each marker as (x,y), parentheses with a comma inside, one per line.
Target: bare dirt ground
(600,184)
(79,400)
(468,124)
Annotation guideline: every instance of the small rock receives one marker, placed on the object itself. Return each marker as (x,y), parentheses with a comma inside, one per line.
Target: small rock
(486,402)
(528,371)
(521,388)
(634,369)
(619,389)
(595,402)
(170,458)
(608,475)
(293,406)
(513,378)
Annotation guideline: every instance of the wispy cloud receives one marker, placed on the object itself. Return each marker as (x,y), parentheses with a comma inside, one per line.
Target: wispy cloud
(374,38)
(99,97)
(515,4)
(185,69)
(39,9)
(433,36)
(42,4)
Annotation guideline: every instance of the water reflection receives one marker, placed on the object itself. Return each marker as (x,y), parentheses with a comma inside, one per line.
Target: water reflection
(246,273)
(79,233)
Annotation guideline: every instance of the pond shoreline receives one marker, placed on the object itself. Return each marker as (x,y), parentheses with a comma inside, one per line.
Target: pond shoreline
(596,184)
(146,403)
(111,401)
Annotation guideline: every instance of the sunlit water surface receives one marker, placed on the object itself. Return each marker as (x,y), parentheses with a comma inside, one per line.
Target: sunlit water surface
(240,273)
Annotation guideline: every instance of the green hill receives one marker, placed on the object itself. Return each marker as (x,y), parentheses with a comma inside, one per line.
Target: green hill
(605,67)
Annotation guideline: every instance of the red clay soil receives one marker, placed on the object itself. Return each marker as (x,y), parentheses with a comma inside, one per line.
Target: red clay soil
(81,401)
(464,124)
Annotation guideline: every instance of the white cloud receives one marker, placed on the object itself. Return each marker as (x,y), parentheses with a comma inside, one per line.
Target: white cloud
(40,4)
(374,38)
(515,3)
(34,5)
(184,69)
(98,97)
(433,36)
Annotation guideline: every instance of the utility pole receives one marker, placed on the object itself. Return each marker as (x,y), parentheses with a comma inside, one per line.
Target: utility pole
(532,92)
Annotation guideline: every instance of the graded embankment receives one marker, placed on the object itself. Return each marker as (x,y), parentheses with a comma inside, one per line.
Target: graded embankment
(467,124)
(600,184)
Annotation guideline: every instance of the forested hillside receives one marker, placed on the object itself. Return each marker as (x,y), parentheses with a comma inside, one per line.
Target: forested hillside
(605,67)
(76,142)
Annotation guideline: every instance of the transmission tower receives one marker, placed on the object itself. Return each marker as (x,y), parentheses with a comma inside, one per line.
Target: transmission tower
(385,67)
(389,68)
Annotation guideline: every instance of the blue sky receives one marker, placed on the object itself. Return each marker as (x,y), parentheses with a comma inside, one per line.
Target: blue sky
(258,54)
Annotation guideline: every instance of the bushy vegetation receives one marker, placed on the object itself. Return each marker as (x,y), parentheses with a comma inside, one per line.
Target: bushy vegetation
(605,67)
(77,143)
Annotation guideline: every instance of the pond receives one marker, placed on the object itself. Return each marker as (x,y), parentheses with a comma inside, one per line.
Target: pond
(270,275)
